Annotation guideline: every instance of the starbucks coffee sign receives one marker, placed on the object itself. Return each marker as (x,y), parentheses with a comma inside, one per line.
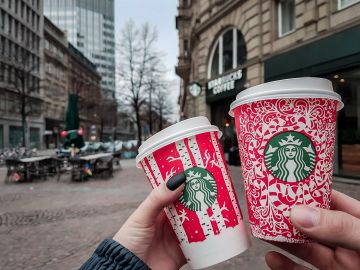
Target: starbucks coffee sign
(224,83)
(194,89)
(226,86)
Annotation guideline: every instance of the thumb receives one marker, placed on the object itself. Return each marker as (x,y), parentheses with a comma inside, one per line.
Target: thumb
(159,198)
(328,226)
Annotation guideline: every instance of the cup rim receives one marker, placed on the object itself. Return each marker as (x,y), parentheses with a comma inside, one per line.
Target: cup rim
(304,87)
(176,132)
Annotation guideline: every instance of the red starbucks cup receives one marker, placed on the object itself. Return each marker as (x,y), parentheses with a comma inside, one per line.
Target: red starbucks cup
(206,218)
(286,132)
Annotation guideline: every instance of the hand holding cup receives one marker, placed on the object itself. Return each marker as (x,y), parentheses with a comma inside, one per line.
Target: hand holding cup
(337,232)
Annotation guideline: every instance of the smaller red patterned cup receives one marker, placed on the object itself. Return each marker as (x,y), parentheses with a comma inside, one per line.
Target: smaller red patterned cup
(286,132)
(206,218)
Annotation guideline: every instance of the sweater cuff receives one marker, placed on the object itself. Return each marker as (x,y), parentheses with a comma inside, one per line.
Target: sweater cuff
(110,254)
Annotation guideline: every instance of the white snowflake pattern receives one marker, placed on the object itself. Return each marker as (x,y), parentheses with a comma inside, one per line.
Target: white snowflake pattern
(183,216)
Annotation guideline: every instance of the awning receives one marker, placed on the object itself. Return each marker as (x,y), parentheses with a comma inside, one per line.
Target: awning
(336,52)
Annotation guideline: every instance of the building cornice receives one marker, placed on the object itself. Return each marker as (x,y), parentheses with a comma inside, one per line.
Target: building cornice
(228,8)
(330,32)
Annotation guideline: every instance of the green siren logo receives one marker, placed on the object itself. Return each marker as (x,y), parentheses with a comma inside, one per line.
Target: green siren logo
(200,189)
(290,156)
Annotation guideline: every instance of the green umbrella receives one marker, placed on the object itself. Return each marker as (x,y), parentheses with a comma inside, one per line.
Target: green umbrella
(72,123)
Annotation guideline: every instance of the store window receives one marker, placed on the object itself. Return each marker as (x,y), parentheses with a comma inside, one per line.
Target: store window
(15,136)
(286,17)
(347,153)
(346,3)
(229,52)
(34,137)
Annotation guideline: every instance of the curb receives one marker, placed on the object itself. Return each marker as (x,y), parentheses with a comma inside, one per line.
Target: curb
(344,180)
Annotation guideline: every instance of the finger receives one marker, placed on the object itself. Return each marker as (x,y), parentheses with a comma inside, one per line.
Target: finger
(277,261)
(342,202)
(313,253)
(327,226)
(159,198)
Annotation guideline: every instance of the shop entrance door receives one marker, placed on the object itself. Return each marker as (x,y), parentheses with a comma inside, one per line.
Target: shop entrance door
(220,117)
(347,151)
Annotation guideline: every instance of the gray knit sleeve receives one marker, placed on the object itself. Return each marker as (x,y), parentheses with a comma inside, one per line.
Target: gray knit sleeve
(112,255)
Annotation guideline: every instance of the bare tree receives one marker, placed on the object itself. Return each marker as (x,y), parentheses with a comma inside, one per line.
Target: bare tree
(137,57)
(154,83)
(22,68)
(162,106)
(106,113)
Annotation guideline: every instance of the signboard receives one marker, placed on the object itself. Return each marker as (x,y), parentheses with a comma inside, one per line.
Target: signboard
(195,89)
(225,86)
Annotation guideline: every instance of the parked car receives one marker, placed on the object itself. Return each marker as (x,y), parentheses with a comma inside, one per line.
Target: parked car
(116,146)
(131,144)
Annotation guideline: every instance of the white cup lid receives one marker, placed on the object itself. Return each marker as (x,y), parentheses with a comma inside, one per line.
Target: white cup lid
(187,128)
(305,87)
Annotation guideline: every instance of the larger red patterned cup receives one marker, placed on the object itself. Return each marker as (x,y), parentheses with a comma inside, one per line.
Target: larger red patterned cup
(206,218)
(286,133)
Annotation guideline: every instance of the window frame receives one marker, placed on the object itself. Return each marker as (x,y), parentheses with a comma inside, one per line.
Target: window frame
(187,3)
(219,42)
(280,18)
(340,7)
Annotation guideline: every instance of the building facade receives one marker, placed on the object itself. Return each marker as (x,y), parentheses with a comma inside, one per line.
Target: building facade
(67,71)
(85,81)
(89,25)
(21,57)
(228,46)
(56,65)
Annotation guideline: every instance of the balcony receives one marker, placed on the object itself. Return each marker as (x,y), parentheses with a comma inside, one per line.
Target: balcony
(183,67)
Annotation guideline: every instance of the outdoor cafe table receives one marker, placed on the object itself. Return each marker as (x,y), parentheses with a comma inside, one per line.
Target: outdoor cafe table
(94,163)
(26,168)
(34,159)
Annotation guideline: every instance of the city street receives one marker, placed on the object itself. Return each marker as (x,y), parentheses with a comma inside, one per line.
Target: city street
(91,80)
(57,225)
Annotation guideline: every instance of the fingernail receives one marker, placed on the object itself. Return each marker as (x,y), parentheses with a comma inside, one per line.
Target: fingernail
(305,216)
(176,181)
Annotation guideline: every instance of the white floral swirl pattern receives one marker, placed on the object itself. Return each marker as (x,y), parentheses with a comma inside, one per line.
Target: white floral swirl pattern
(270,199)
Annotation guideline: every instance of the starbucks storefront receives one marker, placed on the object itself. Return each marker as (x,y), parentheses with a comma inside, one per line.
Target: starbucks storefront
(226,77)
(220,93)
(336,58)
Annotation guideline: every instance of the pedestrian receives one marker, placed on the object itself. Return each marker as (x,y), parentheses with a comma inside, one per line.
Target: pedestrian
(146,240)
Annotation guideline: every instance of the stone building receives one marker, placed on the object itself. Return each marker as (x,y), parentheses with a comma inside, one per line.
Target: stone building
(56,64)
(90,28)
(227,46)
(21,53)
(67,70)
(84,80)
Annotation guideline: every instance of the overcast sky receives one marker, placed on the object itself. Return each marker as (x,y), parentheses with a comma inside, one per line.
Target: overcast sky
(160,14)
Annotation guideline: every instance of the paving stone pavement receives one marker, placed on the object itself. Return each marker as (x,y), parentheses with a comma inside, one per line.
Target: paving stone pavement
(57,225)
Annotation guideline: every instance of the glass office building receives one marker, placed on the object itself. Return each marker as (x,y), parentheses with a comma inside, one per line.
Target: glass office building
(89,25)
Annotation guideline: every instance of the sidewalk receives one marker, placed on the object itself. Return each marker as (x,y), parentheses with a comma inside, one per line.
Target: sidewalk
(57,225)
(346,180)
